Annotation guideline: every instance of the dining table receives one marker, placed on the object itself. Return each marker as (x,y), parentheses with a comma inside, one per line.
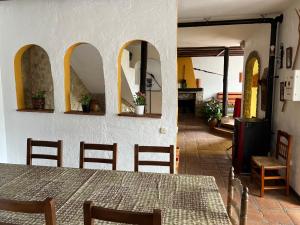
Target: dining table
(182,199)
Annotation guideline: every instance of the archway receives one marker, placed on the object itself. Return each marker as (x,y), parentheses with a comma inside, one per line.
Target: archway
(252,75)
(33,76)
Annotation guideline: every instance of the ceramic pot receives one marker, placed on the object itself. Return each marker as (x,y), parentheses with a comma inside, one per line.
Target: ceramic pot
(85,108)
(38,103)
(139,109)
(213,123)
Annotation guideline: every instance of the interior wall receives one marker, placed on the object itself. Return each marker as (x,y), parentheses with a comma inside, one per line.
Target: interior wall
(2,127)
(185,71)
(68,22)
(211,83)
(288,120)
(259,42)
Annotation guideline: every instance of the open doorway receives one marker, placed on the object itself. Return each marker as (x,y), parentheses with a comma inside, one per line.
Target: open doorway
(252,71)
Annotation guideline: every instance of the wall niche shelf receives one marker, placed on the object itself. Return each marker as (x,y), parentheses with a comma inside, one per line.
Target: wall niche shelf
(36,110)
(147,115)
(85,113)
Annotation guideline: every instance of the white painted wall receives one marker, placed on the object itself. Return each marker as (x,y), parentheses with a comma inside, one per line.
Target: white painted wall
(2,127)
(289,119)
(86,60)
(260,42)
(56,25)
(212,84)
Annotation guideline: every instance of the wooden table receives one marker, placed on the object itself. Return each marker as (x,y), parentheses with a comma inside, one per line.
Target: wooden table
(183,199)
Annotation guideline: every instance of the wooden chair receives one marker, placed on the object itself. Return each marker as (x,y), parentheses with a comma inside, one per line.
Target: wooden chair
(46,207)
(153,149)
(240,208)
(92,212)
(269,168)
(113,148)
(49,144)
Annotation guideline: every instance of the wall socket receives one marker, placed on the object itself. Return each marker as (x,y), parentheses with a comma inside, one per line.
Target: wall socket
(163,130)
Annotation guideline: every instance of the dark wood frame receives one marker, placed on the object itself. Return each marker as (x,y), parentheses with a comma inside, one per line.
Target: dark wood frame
(153,149)
(283,151)
(50,144)
(92,212)
(100,147)
(46,207)
(241,208)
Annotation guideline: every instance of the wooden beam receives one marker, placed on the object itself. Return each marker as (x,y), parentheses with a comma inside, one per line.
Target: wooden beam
(144,58)
(225,81)
(227,22)
(208,51)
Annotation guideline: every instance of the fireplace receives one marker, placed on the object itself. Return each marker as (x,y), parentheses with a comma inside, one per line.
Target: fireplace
(190,100)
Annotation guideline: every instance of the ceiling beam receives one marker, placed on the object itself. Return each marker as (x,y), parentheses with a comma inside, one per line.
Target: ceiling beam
(208,51)
(231,22)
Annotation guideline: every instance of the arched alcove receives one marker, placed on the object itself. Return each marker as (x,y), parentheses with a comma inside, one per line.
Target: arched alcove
(84,80)
(252,75)
(129,74)
(34,83)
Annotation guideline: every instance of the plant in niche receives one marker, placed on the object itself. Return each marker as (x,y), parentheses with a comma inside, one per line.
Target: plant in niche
(212,111)
(140,102)
(38,99)
(85,101)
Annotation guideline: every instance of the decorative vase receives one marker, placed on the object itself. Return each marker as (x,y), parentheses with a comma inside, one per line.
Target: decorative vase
(95,106)
(213,123)
(139,109)
(38,103)
(85,108)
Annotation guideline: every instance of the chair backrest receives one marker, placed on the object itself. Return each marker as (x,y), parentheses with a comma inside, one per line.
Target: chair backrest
(100,147)
(240,208)
(153,149)
(46,207)
(92,212)
(283,146)
(49,144)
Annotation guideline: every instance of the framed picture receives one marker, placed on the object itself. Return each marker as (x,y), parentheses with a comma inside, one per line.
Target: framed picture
(289,57)
(282,91)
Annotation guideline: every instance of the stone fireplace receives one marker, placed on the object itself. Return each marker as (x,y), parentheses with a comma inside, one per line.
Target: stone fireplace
(190,100)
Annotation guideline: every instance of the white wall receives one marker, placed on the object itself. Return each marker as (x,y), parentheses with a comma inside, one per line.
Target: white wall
(289,119)
(56,25)
(2,127)
(259,42)
(211,83)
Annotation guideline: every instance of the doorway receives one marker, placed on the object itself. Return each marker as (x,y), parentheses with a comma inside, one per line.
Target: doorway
(252,75)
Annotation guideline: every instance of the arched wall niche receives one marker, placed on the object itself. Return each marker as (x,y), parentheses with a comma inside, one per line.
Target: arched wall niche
(84,77)
(33,79)
(129,63)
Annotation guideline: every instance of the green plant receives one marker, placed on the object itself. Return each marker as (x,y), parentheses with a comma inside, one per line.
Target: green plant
(39,95)
(85,99)
(140,99)
(212,110)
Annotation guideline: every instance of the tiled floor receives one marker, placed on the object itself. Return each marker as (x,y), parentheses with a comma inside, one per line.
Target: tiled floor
(204,153)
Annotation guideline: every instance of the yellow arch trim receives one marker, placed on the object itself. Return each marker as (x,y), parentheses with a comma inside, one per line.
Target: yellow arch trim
(19,75)
(67,80)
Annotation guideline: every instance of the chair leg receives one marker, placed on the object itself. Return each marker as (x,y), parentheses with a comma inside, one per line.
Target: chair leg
(262,181)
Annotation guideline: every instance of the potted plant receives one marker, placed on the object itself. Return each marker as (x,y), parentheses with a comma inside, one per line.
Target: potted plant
(212,111)
(139,101)
(38,100)
(85,102)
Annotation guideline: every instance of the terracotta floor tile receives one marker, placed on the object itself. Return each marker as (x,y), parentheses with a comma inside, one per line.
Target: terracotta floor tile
(277,217)
(294,215)
(204,153)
